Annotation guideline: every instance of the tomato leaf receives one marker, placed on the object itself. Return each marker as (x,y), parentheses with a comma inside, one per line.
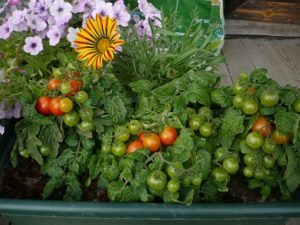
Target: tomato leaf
(126,175)
(50,186)
(164,93)
(292,173)
(142,87)
(182,147)
(287,123)
(73,191)
(197,93)
(231,126)
(222,97)
(288,95)
(51,137)
(259,76)
(94,166)
(116,110)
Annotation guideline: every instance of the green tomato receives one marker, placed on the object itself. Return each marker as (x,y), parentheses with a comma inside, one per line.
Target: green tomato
(86,126)
(205,112)
(248,171)
(190,131)
(196,181)
(269,146)
(187,181)
(195,122)
(157,180)
(118,149)
(219,174)
(88,182)
(71,119)
(135,127)
(220,153)
(243,78)
(269,98)
(206,129)
(45,151)
(175,169)
(126,163)
(255,140)
(81,97)
(296,105)
(173,185)
(238,101)
(282,159)
(250,106)
(250,159)
(231,165)
(268,161)
(65,88)
(25,154)
(122,134)
(86,114)
(259,173)
(237,88)
(105,148)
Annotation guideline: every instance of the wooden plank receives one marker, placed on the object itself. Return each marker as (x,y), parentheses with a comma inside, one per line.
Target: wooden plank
(293,221)
(269,11)
(264,55)
(245,27)
(225,75)
(237,57)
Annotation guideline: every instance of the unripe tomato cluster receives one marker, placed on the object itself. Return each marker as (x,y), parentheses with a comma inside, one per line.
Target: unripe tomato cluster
(128,139)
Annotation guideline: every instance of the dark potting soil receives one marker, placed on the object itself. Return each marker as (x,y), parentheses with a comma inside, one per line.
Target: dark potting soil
(26,182)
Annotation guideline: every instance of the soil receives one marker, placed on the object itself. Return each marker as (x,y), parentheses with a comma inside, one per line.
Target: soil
(27,182)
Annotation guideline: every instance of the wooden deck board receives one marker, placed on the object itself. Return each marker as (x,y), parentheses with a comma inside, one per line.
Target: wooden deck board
(280,57)
(225,75)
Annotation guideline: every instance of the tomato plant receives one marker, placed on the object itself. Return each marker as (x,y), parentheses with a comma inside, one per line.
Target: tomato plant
(269,98)
(238,101)
(43,105)
(279,138)
(248,171)
(268,161)
(53,84)
(44,151)
(269,146)
(65,88)
(263,126)
(255,140)
(219,174)
(220,153)
(75,85)
(54,106)
(151,141)
(135,127)
(122,134)
(168,135)
(205,113)
(238,88)
(296,105)
(196,181)
(135,145)
(175,169)
(86,125)
(86,113)
(157,180)
(250,159)
(25,154)
(195,122)
(105,148)
(66,105)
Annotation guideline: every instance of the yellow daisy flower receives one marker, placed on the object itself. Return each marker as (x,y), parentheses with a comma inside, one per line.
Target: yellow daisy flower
(98,41)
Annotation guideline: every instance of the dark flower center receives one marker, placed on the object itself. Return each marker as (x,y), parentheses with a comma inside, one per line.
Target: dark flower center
(60,9)
(33,45)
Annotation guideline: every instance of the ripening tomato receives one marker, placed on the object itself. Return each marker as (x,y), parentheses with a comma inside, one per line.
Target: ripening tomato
(141,136)
(66,105)
(54,106)
(75,85)
(151,141)
(42,105)
(279,138)
(53,84)
(262,125)
(269,98)
(168,135)
(135,145)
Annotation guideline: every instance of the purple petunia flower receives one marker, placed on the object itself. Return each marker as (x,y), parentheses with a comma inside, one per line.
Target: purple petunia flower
(82,6)
(71,37)
(41,9)
(5,30)
(61,11)
(35,22)
(143,28)
(18,16)
(121,14)
(54,35)
(33,45)
(14,2)
(150,12)
(104,9)
(2,130)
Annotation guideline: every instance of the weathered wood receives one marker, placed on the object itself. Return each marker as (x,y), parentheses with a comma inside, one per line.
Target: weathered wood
(268,11)
(280,57)
(293,221)
(225,75)
(246,27)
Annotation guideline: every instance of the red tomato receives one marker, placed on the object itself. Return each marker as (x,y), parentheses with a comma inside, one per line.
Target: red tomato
(135,145)
(168,135)
(54,84)
(54,106)
(263,126)
(75,85)
(42,105)
(141,137)
(151,141)
(279,138)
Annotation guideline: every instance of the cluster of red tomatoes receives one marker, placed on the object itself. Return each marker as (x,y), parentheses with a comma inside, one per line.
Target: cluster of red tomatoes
(58,105)
(138,138)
